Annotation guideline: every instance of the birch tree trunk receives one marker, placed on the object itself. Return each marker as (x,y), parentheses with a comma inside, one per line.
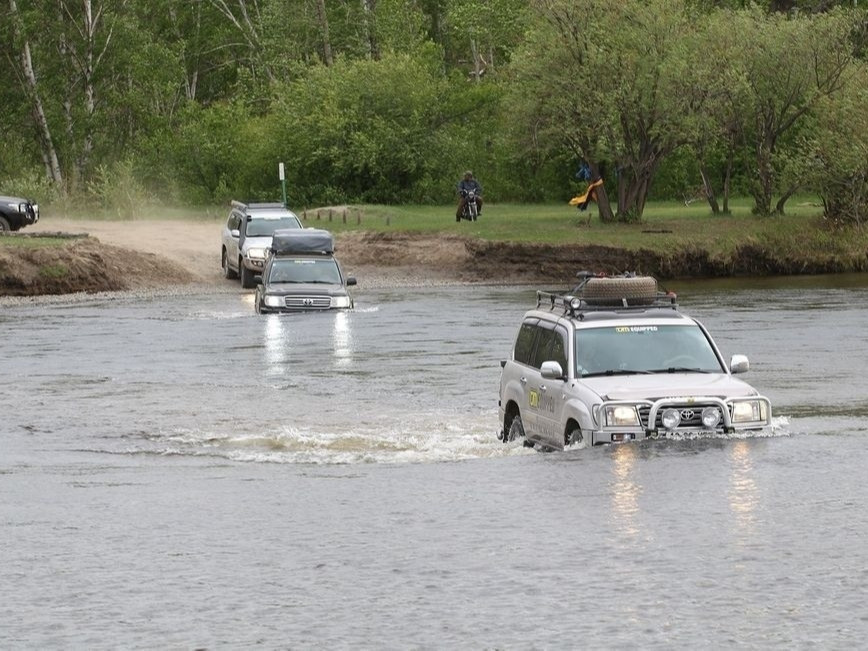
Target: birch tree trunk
(369,11)
(323,20)
(31,88)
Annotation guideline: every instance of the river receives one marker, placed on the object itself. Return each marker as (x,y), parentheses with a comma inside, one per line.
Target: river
(178,472)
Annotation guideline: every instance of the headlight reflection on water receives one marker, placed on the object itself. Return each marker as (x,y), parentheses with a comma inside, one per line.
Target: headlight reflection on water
(625,490)
(743,494)
(342,339)
(276,346)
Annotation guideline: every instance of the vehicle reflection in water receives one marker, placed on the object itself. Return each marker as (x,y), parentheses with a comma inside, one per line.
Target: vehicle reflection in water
(342,339)
(743,489)
(281,339)
(625,490)
(276,346)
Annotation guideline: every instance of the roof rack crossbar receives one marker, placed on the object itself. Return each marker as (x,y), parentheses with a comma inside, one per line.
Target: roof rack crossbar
(575,306)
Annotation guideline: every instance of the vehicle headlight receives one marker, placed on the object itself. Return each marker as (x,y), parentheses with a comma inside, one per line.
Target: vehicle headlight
(16,205)
(671,418)
(710,417)
(340,301)
(622,416)
(274,301)
(749,411)
(256,253)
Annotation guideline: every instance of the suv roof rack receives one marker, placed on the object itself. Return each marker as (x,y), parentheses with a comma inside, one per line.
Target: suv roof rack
(627,292)
(261,204)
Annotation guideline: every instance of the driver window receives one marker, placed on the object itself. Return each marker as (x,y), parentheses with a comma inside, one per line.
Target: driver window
(558,352)
(543,347)
(524,343)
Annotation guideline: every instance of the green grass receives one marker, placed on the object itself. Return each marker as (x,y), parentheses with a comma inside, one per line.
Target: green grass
(666,226)
(54,271)
(17,242)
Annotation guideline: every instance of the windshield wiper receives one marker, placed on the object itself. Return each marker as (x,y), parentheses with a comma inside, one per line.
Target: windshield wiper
(622,371)
(679,369)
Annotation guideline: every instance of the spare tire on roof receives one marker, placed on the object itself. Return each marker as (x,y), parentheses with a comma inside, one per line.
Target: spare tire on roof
(635,290)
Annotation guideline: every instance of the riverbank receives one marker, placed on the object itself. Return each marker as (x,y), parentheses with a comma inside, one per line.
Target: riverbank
(105,255)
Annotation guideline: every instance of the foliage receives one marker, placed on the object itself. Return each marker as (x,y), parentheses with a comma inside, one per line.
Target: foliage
(117,188)
(30,184)
(388,131)
(390,100)
(839,149)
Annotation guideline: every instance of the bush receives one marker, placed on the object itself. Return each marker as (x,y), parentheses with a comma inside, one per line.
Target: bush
(118,189)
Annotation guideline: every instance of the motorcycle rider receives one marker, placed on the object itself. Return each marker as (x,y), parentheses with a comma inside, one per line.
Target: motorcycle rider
(464,186)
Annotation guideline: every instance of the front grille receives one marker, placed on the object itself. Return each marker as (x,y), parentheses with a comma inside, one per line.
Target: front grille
(691,415)
(308,302)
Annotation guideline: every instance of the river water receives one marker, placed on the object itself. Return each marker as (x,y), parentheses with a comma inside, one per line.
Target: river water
(178,472)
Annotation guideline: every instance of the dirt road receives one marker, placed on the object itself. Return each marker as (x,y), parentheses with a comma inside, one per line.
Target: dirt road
(376,259)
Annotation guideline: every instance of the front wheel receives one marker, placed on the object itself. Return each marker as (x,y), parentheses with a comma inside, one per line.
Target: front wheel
(516,430)
(4,225)
(247,277)
(574,437)
(227,270)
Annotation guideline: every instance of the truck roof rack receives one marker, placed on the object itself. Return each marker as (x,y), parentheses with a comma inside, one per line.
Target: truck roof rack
(627,292)
(259,204)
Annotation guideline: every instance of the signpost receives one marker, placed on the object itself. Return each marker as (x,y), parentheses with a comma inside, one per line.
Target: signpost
(281,174)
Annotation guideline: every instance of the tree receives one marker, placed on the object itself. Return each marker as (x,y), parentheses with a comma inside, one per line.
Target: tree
(789,66)
(22,61)
(606,80)
(488,30)
(838,150)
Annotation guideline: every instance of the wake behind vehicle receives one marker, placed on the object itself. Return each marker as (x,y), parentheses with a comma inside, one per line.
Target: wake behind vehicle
(247,235)
(16,212)
(302,274)
(614,360)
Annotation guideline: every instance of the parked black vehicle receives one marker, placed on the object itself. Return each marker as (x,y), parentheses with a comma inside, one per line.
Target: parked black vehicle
(16,212)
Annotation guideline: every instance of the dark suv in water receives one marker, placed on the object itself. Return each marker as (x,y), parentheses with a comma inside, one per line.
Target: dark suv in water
(16,212)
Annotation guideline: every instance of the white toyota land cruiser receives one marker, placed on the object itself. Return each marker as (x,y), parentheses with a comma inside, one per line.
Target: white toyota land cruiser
(614,360)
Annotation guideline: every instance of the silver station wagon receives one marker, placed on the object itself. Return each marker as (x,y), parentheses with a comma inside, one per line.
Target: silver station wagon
(614,360)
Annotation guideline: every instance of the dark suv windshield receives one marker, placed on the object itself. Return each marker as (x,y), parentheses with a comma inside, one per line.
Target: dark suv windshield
(644,349)
(261,226)
(305,270)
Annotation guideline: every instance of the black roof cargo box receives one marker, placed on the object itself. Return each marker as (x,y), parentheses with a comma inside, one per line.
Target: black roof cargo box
(305,240)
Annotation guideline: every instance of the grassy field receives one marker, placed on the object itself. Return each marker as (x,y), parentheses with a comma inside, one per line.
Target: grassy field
(666,226)
(33,242)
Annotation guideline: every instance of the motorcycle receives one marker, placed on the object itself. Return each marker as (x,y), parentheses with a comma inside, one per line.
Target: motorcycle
(470,209)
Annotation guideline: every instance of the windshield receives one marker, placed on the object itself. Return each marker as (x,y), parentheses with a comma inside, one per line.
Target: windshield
(644,349)
(261,226)
(305,270)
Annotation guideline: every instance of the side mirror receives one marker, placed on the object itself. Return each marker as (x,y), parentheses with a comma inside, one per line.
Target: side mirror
(257,280)
(739,364)
(235,233)
(351,280)
(552,371)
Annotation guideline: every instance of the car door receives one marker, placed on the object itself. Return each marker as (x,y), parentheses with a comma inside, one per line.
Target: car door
(520,370)
(232,226)
(552,397)
(537,387)
(541,392)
